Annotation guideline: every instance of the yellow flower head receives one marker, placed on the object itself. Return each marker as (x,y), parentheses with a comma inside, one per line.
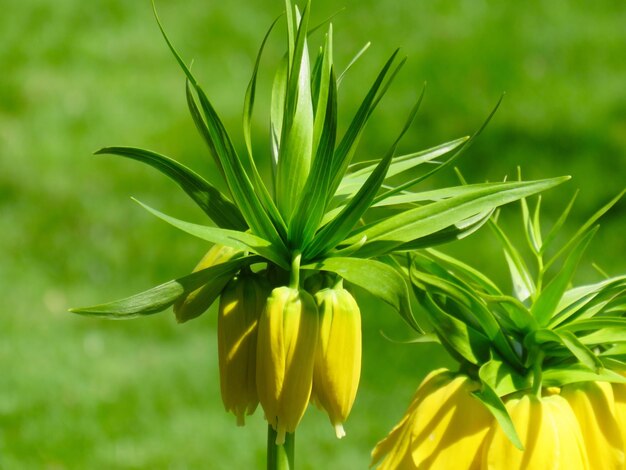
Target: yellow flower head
(287,339)
(552,437)
(443,428)
(593,404)
(338,356)
(241,304)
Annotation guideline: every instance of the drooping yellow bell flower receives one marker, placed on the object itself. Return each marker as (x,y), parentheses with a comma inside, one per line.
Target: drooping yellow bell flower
(338,357)
(287,339)
(198,301)
(549,431)
(443,428)
(593,404)
(241,304)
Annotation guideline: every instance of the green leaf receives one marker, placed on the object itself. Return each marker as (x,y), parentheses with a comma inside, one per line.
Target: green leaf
(523,283)
(563,374)
(471,311)
(334,232)
(350,140)
(502,378)
(462,148)
(385,235)
(594,324)
(312,204)
(277,108)
(584,228)
(294,157)
(545,306)
(460,339)
(586,301)
(356,57)
(582,353)
(161,297)
(232,238)
(488,397)
(248,105)
(221,211)
(380,279)
(354,180)
(547,243)
(605,336)
(457,231)
(220,145)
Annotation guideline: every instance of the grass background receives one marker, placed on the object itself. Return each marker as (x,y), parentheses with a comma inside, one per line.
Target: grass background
(75,76)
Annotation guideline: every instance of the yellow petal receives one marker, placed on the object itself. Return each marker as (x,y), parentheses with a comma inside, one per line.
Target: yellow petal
(593,404)
(450,427)
(549,432)
(338,357)
(394,451)
(619,396)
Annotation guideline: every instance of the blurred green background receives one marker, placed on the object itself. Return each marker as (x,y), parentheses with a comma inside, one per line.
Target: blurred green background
(75,76)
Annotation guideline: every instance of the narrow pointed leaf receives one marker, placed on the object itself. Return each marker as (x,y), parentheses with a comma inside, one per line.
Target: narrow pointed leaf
(334,232)
(161,297)
(232,238)
(221,211)
(422,221)
(585,227)
(495,405)
(545,306)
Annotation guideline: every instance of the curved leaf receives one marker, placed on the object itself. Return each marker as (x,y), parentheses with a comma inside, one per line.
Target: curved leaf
(161,297)
(221,211)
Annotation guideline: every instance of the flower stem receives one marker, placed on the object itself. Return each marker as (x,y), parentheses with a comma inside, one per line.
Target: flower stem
(294,281)
(538,373)
(280,457)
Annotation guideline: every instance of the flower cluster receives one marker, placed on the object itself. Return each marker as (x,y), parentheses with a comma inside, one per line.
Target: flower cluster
(580,426)
(542,373)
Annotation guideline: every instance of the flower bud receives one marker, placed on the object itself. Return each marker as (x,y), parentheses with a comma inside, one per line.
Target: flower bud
(287,338)
(594,407)
(338,357)
(240,306)
(198,301)
(548,429)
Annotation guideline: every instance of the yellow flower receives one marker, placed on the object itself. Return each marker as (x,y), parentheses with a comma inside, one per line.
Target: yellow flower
(338,357)
(287,338)
(240,306)
(444,427)
(551,436)
(198,301)
(593,404)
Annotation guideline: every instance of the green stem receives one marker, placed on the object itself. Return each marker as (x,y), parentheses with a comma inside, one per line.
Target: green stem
(294,281)
(280,457)
(538,373)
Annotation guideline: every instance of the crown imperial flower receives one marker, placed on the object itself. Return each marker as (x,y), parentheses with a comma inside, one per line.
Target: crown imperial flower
(241,304)
(338,357)
(287,338)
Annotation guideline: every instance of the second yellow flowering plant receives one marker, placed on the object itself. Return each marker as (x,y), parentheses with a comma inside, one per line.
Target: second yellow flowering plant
(542,370)
(283,247)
